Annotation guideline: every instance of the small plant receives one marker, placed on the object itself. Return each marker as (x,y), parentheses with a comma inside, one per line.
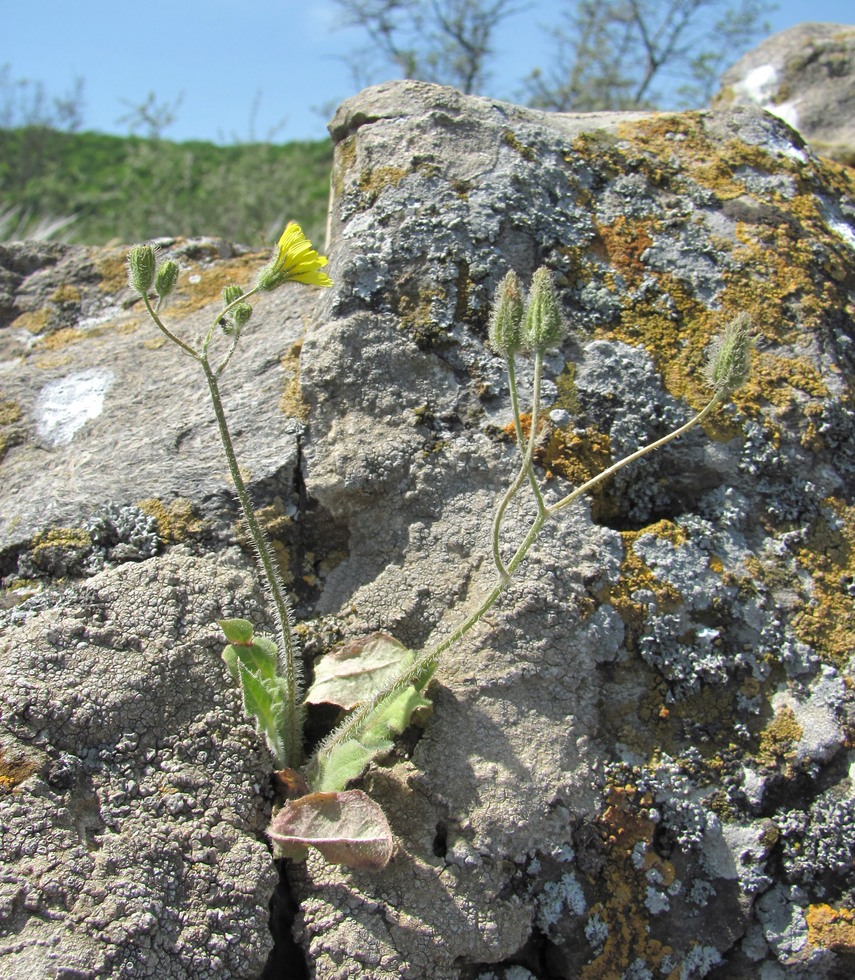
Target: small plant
(374,679)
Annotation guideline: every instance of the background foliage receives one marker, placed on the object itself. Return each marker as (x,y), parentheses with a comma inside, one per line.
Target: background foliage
(128,189)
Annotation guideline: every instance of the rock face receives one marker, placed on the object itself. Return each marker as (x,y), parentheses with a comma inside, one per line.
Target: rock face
(638,762)
(806,76)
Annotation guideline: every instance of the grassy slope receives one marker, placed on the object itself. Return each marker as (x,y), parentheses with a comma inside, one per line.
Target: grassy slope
(130,189)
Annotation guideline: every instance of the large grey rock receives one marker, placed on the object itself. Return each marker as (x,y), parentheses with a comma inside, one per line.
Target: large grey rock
(637,763)
(805,76)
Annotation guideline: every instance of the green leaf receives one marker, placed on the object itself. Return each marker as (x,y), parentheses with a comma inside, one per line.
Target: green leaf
(259,657)
(393,716)
(356,671)
(347,828)
(237,630)
(264,699)
(348,760)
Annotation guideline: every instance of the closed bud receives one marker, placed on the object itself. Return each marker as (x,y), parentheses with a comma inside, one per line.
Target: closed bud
(506,317)
(728,360)
(543,326)
(142,264)
(231,293)
(240,313)
(167,276)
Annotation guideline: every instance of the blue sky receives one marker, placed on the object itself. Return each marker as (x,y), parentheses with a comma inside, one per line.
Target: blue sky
(223,57)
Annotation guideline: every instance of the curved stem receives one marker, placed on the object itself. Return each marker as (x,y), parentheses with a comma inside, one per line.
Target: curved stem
(291,665)
(424,665)
(175,340)
(594,481)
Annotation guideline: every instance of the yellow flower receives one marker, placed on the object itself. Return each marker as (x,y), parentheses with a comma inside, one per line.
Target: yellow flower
(296,261)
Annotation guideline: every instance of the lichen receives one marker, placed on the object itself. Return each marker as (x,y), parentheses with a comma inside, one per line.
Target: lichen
(509,138)
(292,402)
(627,832)
(56,552)
(176,522)
(830,928)
(10,434)
(418,316)
(372,183)
(825,620)
(637,577)
(778,740)
(14,770)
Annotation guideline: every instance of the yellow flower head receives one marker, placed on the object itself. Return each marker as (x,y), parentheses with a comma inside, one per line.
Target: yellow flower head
(295,261)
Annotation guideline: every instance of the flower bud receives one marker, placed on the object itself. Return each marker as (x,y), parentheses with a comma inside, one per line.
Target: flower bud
(728,360)
(142,262)
(167,276)
(506,316)
(240,314)
(543,326)
(231,293)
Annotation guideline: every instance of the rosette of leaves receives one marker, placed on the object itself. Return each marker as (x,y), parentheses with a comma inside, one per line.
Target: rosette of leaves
(346,826)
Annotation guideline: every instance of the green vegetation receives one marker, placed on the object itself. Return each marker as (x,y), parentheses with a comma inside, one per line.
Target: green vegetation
(129,189)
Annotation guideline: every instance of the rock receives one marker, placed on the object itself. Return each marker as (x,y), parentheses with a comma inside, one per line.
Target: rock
(805,76)
(638,761)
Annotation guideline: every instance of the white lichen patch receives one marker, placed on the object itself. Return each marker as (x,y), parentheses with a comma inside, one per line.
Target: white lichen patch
(65,405)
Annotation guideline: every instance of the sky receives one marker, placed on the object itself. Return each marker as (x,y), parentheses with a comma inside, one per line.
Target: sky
(240,70)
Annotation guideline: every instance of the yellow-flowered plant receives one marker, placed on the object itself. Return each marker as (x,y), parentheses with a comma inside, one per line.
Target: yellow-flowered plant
(295,261)
(376,681)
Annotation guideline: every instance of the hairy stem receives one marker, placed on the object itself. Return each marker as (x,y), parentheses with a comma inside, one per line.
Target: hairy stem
(527,450)
(424,665)
(290,654)
(175,340)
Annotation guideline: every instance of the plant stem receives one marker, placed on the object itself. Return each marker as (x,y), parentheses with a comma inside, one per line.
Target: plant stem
(424,665)
(289,651)
(528,453)
(175,340)
(650,447)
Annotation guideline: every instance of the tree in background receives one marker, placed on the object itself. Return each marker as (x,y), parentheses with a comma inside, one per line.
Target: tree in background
(612,54)
(24,102)
(609,54)
(445,41)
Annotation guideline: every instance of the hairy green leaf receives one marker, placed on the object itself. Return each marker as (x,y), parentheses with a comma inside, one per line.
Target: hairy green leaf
(265,699)
(237,630)
(335,769)
(259,657)
(347,828)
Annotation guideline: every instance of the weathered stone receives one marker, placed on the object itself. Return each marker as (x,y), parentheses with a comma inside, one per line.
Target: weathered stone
(805,76)
(637,763)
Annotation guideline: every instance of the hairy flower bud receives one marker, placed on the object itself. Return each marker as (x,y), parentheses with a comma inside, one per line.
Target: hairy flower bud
(167,276)
(506,316)
(231,293)
(240,313)
(142,263)
(729,356)
(543,326)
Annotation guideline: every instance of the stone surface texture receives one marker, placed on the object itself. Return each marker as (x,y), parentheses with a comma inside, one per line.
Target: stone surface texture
(638,763)
(805,76)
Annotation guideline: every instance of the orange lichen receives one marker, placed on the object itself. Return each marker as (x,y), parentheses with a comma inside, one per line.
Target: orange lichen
(622,244)
(292,402)
(830,928)
(778,740)
(826,621)
(765,268)
(636,575)
(625,823)
(175,522)
(14,769)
